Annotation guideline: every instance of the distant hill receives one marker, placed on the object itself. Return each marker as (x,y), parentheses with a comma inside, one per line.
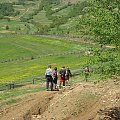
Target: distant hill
(35,16)
(71,18)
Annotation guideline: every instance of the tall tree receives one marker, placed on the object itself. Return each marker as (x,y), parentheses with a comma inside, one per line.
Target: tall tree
(102,20)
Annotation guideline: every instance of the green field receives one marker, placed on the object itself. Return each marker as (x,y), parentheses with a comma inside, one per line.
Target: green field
(25,57)
(41,18)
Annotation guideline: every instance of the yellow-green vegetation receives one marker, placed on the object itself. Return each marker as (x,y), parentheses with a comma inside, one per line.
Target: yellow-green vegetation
(41,18)
(25,57)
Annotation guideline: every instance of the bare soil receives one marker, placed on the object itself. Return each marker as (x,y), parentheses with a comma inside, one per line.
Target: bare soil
(81,101)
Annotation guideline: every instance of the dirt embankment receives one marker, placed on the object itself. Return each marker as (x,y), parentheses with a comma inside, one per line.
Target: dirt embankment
(83,101)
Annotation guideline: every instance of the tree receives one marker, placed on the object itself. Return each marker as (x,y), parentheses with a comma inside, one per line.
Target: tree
(103,21)
(6,9)
(78,9)
(6,27)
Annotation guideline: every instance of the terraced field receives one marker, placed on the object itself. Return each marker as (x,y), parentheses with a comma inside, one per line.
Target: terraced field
(17,24)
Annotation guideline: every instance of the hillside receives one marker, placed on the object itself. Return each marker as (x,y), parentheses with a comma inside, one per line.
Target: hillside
(28,56)
(24,58)
(71,33)
(73,18)
(26,17)
(83,101)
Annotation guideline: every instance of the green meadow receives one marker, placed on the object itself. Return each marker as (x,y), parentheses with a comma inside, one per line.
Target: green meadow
(25,57)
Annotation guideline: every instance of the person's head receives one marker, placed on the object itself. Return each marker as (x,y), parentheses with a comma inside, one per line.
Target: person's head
(49,66)
(67,68)
(63,67)
(55,68)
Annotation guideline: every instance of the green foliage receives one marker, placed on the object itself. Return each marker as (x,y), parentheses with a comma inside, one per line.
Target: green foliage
(42,29)
(78,9)
(102,22)
(6,9)
(61,19)
(108,62)
(61,8)
(21,2)
(7,27)
(50,2)
(58,20)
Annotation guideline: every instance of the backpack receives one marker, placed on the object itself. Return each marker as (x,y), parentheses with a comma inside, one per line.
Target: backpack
(62,72)
(55,74)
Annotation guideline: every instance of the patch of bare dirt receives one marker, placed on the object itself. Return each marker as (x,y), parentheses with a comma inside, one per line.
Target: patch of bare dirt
(83,101)
(6,31)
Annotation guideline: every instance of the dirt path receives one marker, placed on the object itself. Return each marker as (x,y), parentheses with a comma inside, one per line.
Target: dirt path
(83,101)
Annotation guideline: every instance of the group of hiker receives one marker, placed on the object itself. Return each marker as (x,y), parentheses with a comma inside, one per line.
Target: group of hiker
(53,75)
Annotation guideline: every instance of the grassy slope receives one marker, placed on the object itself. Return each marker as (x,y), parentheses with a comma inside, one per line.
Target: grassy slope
(63,12)
(18,51)
(27,46)
(41,18)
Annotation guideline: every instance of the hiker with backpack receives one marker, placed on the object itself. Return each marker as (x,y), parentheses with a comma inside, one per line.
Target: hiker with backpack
(62,76)
(49,79)
(55,77)
(68,74)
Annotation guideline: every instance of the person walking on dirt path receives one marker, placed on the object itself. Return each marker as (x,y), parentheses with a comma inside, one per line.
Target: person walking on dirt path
(55,77)
(62,76)
(68,75)
(49,79)
(87,72)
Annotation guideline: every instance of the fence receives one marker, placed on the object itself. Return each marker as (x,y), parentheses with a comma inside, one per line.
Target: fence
(35,80)
(39,56)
